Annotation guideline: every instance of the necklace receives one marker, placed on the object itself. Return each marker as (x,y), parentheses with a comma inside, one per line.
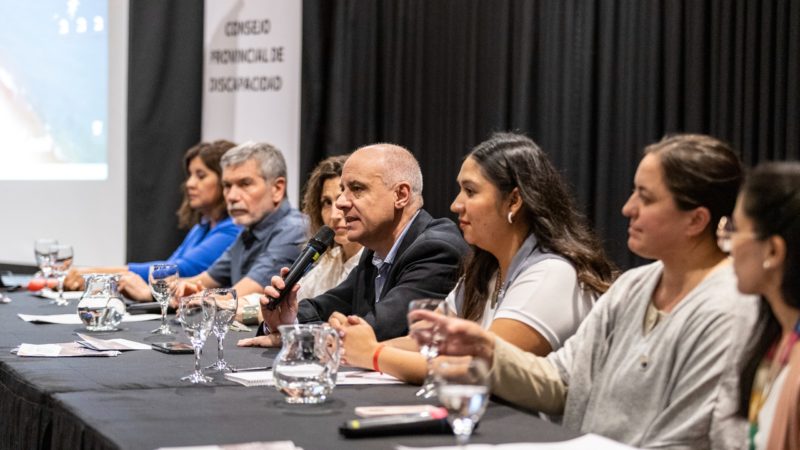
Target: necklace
(770,368)
(498,283)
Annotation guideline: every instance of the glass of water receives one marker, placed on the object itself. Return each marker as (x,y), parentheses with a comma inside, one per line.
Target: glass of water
(60,262)
(41,248)
(226,302)
(196,315)
(463,389)
(163,279)
(428,338)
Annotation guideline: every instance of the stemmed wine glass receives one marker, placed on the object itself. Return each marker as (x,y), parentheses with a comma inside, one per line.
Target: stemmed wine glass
(463,389)
(60,262)
(163,279)
(428,338)
(41,248)
(196,315)
(227,304)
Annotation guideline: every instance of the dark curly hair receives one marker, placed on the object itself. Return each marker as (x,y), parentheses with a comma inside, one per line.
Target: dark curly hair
(328,168)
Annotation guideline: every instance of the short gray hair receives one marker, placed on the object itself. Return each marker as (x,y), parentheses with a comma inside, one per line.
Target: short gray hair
(270,159)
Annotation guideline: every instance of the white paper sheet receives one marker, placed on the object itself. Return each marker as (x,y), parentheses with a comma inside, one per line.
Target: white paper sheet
(276,445)
(66,349)
(264,378)
(111,344)
(587,441)
(73,319)
(52,295)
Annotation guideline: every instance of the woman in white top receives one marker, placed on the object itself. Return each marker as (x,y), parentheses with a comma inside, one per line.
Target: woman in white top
(656,363)
(535,268)
(322,189)
(764,240)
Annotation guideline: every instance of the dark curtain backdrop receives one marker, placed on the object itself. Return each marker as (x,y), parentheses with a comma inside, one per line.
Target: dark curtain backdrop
(591,81)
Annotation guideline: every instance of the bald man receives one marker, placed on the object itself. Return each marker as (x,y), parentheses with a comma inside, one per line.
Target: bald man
(408,255)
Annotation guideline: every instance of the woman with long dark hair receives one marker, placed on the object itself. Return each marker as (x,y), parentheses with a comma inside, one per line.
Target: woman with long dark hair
(535,268)
(763,237)
(655,364)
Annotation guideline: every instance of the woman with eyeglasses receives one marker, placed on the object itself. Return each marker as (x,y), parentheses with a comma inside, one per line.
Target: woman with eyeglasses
(764,240)
(656,363)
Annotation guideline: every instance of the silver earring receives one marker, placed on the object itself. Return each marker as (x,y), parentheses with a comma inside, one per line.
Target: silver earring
(510,217)
(766,265)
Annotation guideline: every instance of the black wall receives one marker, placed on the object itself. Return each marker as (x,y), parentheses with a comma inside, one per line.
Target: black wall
(592,81)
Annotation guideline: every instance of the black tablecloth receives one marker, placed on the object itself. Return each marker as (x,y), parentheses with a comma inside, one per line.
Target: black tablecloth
(136,401)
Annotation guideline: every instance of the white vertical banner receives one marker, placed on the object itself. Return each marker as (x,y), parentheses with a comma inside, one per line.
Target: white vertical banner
(251,76)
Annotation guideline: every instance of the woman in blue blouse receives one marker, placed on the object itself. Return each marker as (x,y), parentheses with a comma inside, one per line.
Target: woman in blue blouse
(203,209)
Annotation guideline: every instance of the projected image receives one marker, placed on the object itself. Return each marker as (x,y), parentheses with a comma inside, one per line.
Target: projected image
(53,90)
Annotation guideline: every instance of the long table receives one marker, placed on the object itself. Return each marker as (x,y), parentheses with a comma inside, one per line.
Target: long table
(136,400)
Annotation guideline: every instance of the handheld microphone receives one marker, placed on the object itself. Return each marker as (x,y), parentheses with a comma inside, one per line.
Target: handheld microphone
(318,245)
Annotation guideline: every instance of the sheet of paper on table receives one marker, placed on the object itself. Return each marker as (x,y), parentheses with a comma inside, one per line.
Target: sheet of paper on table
(63,350)
(344,378)
(52,295)
(73,319)
(592,441)
(276,445)
(110,344)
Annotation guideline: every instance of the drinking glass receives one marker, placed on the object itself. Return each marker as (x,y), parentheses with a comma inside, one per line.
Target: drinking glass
(226,303)
(463,389)
(41,248)
(60,262)
(196,315)
(428,338)
(163,279)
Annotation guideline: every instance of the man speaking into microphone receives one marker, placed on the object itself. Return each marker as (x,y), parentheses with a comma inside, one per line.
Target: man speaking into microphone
(409,254)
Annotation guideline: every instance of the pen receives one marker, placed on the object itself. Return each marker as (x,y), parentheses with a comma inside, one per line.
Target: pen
(249,369)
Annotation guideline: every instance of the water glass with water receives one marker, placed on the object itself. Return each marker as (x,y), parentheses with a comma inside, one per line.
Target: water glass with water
(428,338)
(163,280)
(462,385)
(60,262)
(41,249)
(227,304)
(196,315)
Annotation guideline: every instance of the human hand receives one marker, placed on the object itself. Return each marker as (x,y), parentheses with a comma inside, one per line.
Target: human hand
(183,289)
(358,339)
(286,312)
(133,286)
(464,337)
(74,280)
(268,340)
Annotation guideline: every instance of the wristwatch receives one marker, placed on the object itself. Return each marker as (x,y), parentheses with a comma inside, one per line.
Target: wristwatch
(250,315)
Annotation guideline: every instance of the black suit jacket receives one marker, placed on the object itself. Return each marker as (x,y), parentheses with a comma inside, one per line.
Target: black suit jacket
(425,266)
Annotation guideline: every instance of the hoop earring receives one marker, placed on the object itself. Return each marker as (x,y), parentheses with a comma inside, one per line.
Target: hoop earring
(510,217)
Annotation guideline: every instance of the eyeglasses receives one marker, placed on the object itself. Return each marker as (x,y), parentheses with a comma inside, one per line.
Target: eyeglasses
(725,231)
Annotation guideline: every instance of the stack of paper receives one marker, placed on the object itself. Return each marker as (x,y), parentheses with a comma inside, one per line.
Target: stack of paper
(110,344)
(73,319)
(592,441)
(87,346)
(264,378)
(67,349)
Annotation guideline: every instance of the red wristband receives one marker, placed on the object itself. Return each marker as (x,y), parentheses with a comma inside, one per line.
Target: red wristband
(375,357)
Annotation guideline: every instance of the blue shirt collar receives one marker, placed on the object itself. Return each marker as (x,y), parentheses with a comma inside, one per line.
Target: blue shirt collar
(263,228)
(378,262)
